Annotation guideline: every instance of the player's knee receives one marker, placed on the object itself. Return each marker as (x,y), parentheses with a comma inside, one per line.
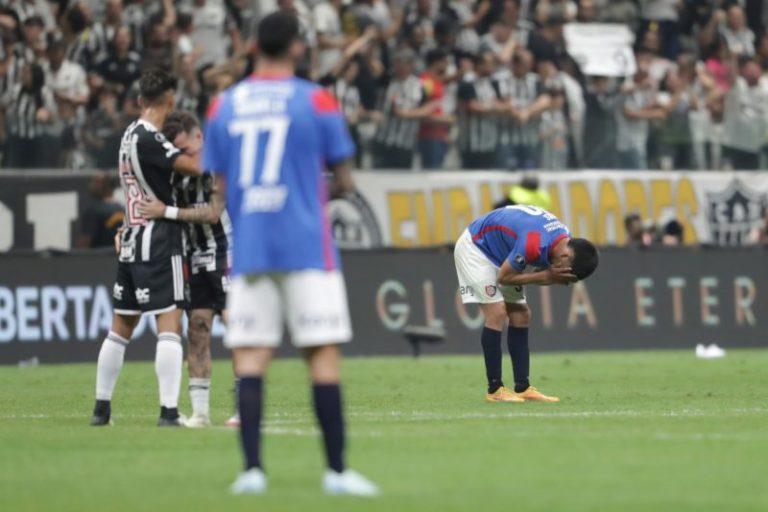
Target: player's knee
(199,326)
(519,315)
(495,317)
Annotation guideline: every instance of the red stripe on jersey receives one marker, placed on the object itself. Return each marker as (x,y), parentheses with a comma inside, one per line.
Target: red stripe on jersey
(324,102)
(532,246)
(488,229)
(555,242)
(213,108)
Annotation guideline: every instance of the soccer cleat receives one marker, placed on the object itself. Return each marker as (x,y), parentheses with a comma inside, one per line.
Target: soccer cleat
(233,422)
(253,481)
(534,395)
(350,483)
(198,421)
(102,414)
(170,417)
(503,394)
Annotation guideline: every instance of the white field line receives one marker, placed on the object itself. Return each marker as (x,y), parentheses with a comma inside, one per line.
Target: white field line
(514,411)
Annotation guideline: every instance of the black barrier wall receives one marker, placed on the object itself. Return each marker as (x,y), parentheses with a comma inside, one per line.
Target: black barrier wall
(58,308)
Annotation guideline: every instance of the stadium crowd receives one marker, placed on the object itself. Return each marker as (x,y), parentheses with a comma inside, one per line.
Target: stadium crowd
(470,84)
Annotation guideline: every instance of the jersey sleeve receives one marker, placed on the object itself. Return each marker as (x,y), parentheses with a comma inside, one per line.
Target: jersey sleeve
(336,143)
(214,144)
(155,150)
(526,251)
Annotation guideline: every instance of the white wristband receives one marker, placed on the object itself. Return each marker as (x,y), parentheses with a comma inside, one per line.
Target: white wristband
(171,212)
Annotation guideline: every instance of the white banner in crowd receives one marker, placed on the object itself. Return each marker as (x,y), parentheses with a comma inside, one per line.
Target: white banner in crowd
(426,209)
(601,49)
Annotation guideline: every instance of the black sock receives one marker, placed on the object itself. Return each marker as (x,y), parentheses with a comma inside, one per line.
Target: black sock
(517,342)
(250,404)
(327,399)
(491,342)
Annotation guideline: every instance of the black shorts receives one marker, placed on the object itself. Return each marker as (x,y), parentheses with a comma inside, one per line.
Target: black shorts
(151,272)
(208,290)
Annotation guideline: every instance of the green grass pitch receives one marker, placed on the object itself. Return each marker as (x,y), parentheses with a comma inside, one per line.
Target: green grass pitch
(650,431)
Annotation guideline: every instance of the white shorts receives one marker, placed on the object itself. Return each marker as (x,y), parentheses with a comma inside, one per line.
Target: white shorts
(477,276)
(312,302)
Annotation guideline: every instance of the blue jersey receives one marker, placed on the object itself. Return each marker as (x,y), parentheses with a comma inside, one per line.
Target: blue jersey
(524,235)
(271,139)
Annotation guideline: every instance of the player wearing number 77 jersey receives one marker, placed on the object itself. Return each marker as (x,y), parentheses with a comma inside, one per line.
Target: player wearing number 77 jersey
(496,256)
(269,140)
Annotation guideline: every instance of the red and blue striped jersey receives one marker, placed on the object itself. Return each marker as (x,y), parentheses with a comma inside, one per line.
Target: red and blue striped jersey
(524,235)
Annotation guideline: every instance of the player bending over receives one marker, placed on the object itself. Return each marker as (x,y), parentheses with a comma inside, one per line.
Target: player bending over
(208,235)
(491,258)
(150,274)
(269,139)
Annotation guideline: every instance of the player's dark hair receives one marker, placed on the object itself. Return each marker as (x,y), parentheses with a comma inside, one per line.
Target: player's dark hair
(154,83)
(276,32)
(177,122)
(585,257)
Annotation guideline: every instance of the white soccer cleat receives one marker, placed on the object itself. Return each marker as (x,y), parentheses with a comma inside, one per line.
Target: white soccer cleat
(253,481)
(349,483)
(709,351)
(233,422)
(197,421)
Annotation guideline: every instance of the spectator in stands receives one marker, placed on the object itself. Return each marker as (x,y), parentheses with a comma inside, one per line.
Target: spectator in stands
(330,38)
(101,219)
(740,39)
(33,46)
(672,234)
(638,233)
(434,131)
(563,10)
(403,109)
(103,130)
(635,112)
(120,67)
(188,88)
(104,30)
(214,32)
(69,84)
(30,110)
(662,16)
(599,137)
(746,104)
(75,31)
(479,107)
(553,130)
(677,101)
(465,14)
(526,100)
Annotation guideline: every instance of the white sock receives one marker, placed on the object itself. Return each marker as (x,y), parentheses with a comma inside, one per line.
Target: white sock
(168,358)
(199,395)
(109,365)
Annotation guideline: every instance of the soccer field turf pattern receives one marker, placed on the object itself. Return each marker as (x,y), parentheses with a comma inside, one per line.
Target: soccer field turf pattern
(656,431)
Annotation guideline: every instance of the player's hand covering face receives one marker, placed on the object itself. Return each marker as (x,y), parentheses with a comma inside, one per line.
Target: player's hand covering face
(561,275)
(151,208)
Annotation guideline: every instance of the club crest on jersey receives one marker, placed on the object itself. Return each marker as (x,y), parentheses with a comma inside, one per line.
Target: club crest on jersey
(519,259)
(490,290)
(142,295)
(117,292)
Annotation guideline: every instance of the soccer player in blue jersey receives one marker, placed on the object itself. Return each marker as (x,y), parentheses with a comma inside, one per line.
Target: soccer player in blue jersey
(269,140)
(496,256)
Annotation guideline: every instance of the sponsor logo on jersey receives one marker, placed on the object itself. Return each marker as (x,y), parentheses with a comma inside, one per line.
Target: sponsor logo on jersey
(142,295)
(519,259)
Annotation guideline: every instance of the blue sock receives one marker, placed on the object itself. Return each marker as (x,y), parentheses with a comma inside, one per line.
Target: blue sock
(250,404)
(517,343)
(327,400)
(491,342)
